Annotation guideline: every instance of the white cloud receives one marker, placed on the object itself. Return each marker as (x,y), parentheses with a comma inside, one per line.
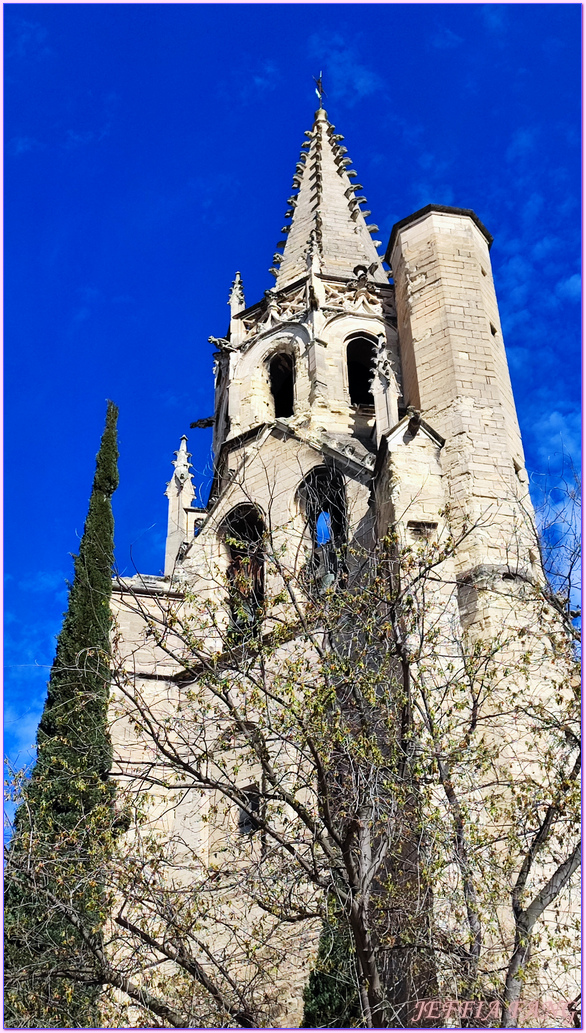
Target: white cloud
(517,357)
(557,436)
(545,246)
(570,289)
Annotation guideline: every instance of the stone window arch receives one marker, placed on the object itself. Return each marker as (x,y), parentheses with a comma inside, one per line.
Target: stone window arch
(281,369)
(360,359)
(243,533)
(322,495)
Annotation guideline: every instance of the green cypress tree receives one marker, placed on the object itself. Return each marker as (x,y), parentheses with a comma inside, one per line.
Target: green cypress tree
(331,995)
(64,824)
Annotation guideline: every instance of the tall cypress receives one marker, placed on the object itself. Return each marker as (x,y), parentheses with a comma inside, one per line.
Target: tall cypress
(63,825)
(331,995)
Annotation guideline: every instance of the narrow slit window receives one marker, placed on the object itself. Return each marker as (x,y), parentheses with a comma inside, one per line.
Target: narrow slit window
(282,380)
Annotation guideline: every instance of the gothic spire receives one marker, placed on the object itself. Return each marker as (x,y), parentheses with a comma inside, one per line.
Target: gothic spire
(181,483)
(236,298)
(325,213)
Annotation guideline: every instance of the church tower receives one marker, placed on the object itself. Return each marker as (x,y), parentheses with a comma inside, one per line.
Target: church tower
(306,353)
(350,399)
(368,369)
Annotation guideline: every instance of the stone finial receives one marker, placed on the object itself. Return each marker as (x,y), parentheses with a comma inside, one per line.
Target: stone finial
(181,463)
(236,296)
(180,493)
(312,256)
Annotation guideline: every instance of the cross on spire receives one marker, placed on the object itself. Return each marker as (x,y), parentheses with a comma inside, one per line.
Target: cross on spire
(319,89)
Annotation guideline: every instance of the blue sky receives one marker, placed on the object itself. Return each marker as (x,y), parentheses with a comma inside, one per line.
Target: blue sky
(149,150)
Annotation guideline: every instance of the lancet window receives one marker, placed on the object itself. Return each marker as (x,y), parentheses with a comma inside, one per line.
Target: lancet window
(323,498)
(243,534)
(282,381)
(360,356)
(247,822)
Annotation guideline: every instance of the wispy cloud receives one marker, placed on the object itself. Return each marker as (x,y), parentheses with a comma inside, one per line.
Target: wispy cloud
(346,76)
(74,138)
(495,17)
(431,162)
(27,39)
(45,581)
(445,39)
(431,191)
(544,247)
(557,436)
(267,77)
(570,289)
(20,731)
(522,143)
(23,145)
(88,293)
(81,314)
(29,650)
(532,208)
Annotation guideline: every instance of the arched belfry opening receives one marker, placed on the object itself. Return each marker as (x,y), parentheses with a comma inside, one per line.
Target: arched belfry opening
(243,532)
(360,356)
(282,381)
(323,499)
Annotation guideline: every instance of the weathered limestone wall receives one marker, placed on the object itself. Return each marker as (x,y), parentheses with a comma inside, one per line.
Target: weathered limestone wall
(317,339)
(200,844)
(455,370)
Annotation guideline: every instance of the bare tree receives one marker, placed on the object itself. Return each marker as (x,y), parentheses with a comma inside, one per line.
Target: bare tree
(311,733)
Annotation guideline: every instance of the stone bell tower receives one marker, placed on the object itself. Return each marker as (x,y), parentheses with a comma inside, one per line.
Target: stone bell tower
(307,351)
(347,399)
(338,356)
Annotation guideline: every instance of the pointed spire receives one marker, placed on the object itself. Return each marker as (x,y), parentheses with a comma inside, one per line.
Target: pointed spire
(180,493)
(237,304)
(181,482)
(236,296)
(326,218)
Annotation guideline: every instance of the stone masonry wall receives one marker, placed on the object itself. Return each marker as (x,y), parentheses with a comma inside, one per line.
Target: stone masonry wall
(455,370)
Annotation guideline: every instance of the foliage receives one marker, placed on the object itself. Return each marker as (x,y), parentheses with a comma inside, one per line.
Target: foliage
(331,997)
(385,753)
(420,776)
(63,823)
